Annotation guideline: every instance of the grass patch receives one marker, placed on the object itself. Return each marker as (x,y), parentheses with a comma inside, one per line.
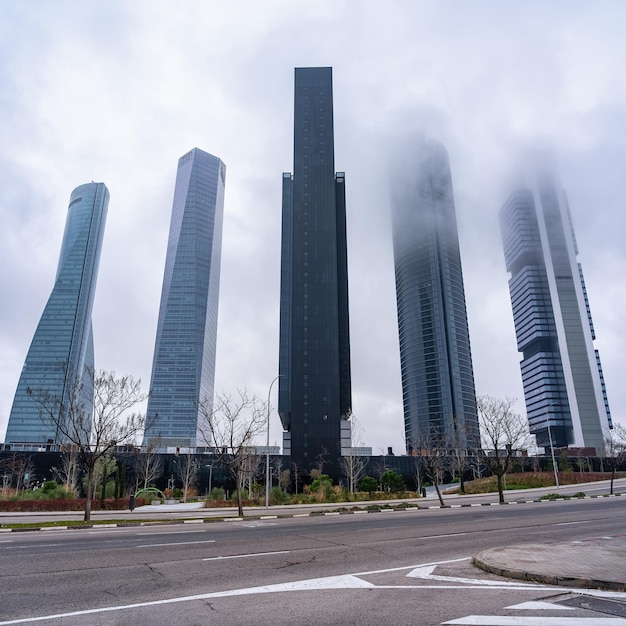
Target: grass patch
(83,524)
(530,480)
(560,496)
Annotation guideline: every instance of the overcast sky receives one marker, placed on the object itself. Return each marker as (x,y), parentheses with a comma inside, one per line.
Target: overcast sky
(117,91)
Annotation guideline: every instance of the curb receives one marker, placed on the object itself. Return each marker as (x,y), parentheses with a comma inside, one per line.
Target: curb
(209,520)
(578,582)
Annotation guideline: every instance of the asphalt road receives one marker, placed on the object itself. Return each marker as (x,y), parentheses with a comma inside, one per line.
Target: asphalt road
(393,568)
(179,512)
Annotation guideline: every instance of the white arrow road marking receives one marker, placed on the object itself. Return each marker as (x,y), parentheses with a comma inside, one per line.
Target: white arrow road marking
(426,573)
(500,620)
(174,543)
(245,556)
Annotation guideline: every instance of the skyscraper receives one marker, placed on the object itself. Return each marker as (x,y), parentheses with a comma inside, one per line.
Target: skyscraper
(62,348)
(437,376)
(561,372)
(183,369)
(314,400)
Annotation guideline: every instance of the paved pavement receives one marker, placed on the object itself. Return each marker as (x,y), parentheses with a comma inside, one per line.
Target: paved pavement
(593,564)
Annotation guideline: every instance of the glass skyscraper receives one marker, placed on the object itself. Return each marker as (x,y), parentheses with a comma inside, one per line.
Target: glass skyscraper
(62,348)
(561,372)
(436,362)
(314,399)
(183,369)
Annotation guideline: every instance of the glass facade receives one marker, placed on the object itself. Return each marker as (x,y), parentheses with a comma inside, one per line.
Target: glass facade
(62,348)
(436,362)
(561,372)
(314,400)
(183,369)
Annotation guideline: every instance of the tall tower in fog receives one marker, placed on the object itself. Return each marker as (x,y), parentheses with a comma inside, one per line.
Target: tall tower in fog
(183,369)
(314,389)
(437,376)
(62,351)
(561,372)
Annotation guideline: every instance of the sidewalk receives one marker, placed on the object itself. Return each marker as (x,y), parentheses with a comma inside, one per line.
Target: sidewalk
(592,564)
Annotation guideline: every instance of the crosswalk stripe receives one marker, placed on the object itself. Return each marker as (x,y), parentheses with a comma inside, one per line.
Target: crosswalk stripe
(534,620)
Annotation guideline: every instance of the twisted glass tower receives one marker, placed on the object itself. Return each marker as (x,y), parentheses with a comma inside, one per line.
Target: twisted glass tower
(436,362)
(563,382)
(314,363)
(62,348)
(183,369)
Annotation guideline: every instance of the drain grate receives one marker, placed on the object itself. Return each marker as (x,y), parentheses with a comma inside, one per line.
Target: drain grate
(599,605)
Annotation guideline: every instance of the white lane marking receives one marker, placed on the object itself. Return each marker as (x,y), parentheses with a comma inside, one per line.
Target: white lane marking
(443,536)
(244,556)
(39,545)
(172,532)
(570,523)
(516,620)
(426,573)
(540,606)
(7,541)
(173,543)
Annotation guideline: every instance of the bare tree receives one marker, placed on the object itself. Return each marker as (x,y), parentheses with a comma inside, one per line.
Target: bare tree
(231,424)
(107,466)
(296,476)
(68,471)
(17,471)
(353,465)
(187,467)
(276,469)
(94,433)
(615,449)
(503,433)
(436,454)
(463,453)
(252,466)
(285,480)
(148,465)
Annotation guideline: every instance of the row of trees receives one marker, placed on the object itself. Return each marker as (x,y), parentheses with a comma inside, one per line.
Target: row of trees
(232,423)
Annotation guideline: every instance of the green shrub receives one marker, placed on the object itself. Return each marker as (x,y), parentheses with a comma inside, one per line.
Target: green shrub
(392,481)
(48,491)
(323,488)
(244,494)
(218,493)
(369,484)
(278,496)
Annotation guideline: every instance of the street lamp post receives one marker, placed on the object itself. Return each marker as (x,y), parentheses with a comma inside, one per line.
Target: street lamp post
(554,465)
(210,479)
(267,449)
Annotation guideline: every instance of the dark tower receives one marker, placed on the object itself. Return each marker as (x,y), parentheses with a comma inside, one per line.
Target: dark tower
(564,388)
(437,376)
(314,388)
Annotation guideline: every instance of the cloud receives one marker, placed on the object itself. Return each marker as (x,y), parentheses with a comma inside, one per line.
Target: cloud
(116,92)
